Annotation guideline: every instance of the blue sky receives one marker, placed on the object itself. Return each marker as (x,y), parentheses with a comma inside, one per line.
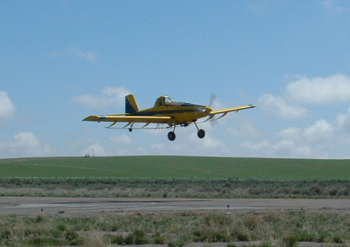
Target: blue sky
(61,61)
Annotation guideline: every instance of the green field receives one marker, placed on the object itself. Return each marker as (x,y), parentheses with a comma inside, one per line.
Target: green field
(179,167)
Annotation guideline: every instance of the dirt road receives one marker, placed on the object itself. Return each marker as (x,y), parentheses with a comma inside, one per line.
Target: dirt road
(93,206)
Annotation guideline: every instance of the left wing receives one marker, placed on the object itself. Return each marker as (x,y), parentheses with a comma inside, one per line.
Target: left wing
(130,119)
(232,109)
(227,110)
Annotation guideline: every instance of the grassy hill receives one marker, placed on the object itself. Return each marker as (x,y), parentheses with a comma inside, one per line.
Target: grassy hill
(176,167)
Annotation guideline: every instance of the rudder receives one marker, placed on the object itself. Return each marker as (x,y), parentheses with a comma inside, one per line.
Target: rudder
(130,104)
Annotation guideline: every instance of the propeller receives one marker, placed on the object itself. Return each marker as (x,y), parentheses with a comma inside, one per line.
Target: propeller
(212,99)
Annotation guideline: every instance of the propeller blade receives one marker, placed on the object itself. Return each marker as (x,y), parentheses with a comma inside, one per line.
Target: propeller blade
(212,99)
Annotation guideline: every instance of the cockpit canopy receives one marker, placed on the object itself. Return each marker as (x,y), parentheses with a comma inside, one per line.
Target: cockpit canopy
(167,101)
(163,100)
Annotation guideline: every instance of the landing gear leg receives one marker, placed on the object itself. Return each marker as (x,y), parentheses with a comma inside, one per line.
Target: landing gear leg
(130,129)
(171,135)
(201,132)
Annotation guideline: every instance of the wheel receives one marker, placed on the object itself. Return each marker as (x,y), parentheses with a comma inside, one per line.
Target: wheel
(171,136)
(201,133)
(130,129)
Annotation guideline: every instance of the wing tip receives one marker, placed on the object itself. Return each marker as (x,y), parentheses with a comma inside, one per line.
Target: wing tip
(91,118)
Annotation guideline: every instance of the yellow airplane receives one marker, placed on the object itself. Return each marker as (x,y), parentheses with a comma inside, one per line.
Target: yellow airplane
(165,112)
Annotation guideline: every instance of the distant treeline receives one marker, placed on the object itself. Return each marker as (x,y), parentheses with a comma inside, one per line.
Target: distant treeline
(194,188)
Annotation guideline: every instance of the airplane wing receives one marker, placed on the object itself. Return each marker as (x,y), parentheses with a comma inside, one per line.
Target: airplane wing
(129,119)
(236,109)
(227,110)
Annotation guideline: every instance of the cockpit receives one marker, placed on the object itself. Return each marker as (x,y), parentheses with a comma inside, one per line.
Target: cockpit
(163,100)
(168,100)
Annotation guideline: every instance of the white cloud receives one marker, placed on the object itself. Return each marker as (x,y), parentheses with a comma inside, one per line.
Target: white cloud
(212,143)
(343,121)
(75,51)
(262,7)
(319,140)
(123,140)
(25,144)
(332,7)
(320,90)
(7,108)
(310,142)
(288,148)
(257,146)
(207,143)
(94,149)
(114,145)
(284,148)
(110,96)
(320,131)
(291,133)
(279,106)
(244,128)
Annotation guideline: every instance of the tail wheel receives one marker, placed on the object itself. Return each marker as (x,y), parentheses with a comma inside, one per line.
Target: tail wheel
(171,136)
(201,133)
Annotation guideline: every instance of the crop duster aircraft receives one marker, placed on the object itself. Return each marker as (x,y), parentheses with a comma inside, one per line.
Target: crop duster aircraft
(165,112)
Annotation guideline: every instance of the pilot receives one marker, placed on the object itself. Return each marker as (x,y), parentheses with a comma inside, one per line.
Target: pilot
(160,101)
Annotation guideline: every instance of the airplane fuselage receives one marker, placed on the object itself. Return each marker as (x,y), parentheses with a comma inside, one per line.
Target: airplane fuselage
(181,113)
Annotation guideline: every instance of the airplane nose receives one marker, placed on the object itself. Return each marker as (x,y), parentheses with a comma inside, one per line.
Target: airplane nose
(208,109)
(203,110)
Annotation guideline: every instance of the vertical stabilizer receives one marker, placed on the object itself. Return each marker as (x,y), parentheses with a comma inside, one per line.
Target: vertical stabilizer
(130,104)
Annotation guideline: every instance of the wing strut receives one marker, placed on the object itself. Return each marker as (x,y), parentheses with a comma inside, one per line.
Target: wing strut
(223,115)
(209,118)
(145,125)
(212,116)
(111,125)
(127,125)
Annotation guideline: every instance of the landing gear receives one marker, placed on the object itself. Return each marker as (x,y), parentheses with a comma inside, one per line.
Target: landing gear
(130,129)
(201,133)
(171,136)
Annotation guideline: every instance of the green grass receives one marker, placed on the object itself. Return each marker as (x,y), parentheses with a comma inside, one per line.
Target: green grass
(271,228)
(168,167)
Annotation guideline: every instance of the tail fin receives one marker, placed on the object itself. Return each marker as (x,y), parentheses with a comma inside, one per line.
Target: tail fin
(130,104)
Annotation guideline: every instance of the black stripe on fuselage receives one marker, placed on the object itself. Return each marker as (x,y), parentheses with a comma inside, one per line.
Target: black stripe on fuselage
(153,113)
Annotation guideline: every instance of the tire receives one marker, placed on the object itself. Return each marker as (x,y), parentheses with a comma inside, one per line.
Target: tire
(201,133)
(171,136)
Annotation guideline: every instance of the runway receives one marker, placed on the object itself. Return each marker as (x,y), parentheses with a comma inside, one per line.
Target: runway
(96,206)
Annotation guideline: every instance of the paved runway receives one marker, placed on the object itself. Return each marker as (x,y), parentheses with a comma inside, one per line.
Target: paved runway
(95,206)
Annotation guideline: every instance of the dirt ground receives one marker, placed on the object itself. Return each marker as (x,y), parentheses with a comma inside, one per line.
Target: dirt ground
(91,206)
